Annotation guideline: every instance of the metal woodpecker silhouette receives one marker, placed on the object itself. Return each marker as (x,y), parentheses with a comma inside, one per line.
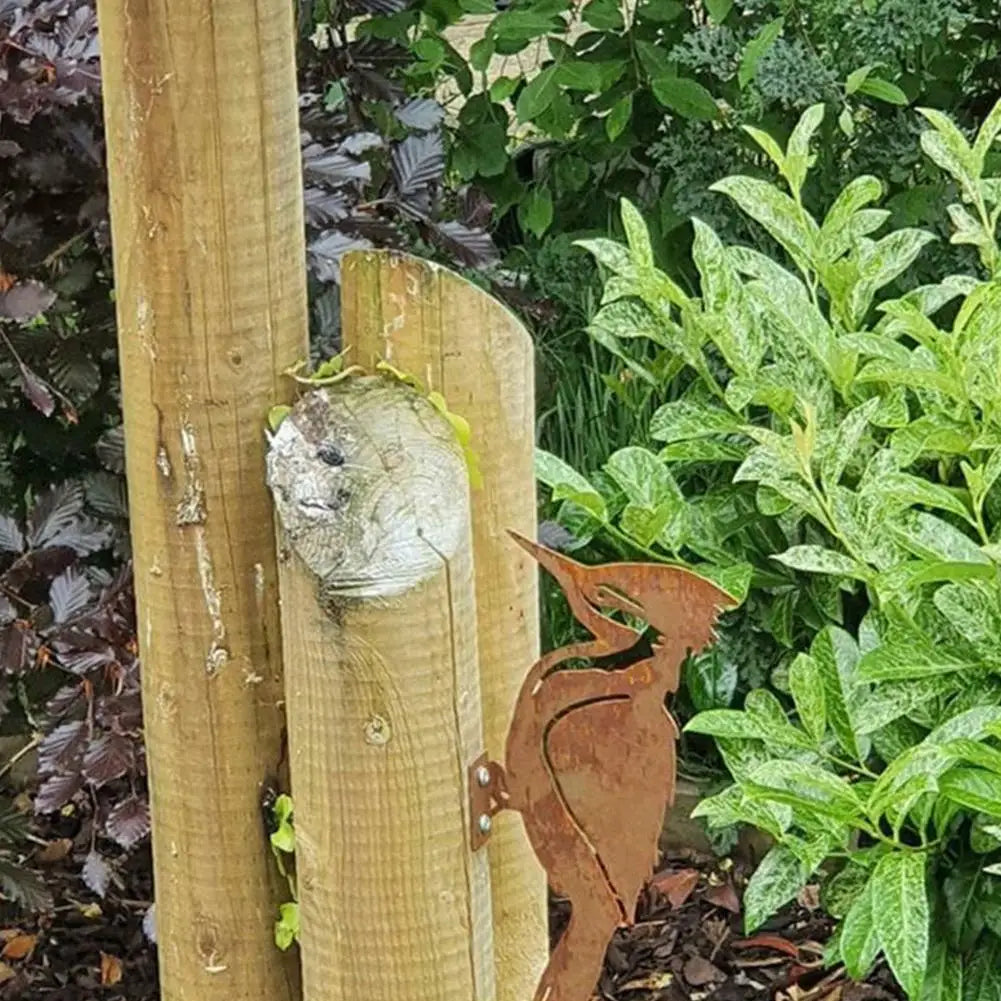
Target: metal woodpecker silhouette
(590,758)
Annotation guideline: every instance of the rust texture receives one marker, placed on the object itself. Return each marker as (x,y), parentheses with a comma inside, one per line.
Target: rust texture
(590,756)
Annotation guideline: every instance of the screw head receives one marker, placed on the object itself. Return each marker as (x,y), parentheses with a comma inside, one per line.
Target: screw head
(483,776)
(484,824)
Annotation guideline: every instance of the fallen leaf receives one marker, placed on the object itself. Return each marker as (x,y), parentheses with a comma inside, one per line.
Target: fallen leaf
(776,942)
(651,982)
(6,973)
(91,911)
(676,886)
(698,971)
(18,946)
(54,851)
(724,896)
(111,970)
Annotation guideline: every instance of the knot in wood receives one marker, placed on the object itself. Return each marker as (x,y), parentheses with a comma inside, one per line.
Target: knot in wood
(370,486)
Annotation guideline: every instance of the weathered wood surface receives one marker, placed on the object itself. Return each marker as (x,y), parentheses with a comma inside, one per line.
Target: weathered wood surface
(428,321)
(206,213)
(379,627)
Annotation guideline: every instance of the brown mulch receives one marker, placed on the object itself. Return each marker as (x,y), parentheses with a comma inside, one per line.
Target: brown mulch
(687,945)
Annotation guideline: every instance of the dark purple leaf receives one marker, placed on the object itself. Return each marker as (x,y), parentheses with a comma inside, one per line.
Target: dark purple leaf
(476,210)
(555,536)
(39,563)
(7,612)
(109,757)
(418,160)
(56,791)
(121,712)
(25,300)
(16,641)
(57,519)
(11,539)
(378,6)
(63,701)
(107,495)
(110,449)
(62,749)
(83,662)
(69,594)
(96,873)
(326,251)
(334,168)
(8,148)
(359,143)
(128,822)
(36,390)
(470,246)
(324,207)
(421,113)
(24,888)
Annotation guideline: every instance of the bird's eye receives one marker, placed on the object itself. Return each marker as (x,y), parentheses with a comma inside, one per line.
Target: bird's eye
(329,453)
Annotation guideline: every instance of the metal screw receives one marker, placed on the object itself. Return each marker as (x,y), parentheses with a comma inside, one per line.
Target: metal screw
(485,824)
(483,776)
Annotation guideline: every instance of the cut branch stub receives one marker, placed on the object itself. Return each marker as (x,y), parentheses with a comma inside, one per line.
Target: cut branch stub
(367,479)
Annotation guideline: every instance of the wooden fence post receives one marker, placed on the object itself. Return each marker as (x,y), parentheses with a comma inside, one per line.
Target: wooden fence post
(206,214)
(379,630)
(429,321)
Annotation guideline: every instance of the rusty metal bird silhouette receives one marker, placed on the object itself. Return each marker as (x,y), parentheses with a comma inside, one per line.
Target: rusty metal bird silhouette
(590,756)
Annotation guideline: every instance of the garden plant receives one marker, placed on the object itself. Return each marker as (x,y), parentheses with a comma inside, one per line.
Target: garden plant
(840,449)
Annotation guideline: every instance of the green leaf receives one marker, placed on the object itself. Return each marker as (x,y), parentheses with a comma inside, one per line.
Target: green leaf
(686,97)
(974,788)
(807,688)
(836,655)
(643,477)
(775,211)
(535,211)
(808,787)
(765,709)
(711,680)
(719,9)
(775,882)
(756,48)
(287,925)
(605,15)
(905,490)
(798,159)
(502,88)
(558,476)
(540,92)
(835,231)
(930,434)
(859,938)
(817,559)
(725,723)
(902,916)
(619,117)
(931,538)
(855,79)
(846,443)
(988,133)
(962,892)
(882,90)
(947,147)
(637,235)
(982,970)
(944,980)
(908,659)
(684,420)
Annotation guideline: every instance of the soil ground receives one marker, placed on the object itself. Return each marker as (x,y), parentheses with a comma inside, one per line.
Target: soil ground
(687,944)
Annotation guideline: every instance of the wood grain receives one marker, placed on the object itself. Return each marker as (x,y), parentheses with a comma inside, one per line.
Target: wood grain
(462,342)
(383,704)
(207,226)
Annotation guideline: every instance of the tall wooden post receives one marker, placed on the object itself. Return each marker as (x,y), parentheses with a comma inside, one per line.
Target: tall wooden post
(379,629)
(206,213)
(429,321)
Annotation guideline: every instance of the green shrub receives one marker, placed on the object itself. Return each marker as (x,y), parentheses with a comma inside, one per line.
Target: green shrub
(844,445)
(647,101)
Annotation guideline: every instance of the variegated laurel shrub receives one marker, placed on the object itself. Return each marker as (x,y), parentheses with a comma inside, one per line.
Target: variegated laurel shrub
(840,450)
